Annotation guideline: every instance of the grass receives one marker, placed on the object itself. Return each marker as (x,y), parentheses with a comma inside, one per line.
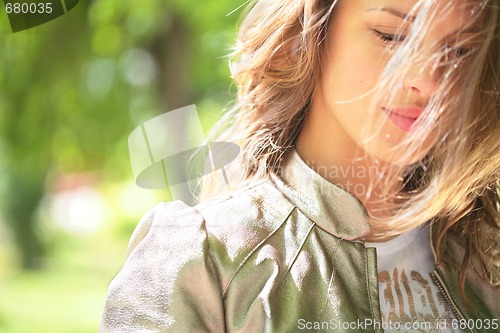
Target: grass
(67,295)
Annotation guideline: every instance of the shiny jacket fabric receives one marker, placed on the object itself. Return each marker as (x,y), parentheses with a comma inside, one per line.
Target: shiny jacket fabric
(284,255)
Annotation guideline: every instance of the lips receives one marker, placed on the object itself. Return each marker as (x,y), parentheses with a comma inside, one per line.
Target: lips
(404,118)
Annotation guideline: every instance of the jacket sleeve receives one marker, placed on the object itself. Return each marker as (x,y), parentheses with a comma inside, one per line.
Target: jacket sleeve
(168,282)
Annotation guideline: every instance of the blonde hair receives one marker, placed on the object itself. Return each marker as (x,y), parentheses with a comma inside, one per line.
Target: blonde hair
(276,66)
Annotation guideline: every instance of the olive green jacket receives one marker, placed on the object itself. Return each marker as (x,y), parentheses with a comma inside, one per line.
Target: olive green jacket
(284,255)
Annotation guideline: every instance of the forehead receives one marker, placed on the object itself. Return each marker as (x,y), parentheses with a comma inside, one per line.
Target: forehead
(446,15)
(442,6)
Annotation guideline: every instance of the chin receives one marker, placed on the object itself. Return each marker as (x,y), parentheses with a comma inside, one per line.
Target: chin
(394,155)
(392,150)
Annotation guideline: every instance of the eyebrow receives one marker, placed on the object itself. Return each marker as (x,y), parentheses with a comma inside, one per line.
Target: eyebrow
(411,18)
(394,12)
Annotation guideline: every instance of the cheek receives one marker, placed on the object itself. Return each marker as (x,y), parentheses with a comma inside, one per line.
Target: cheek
(349,80)
(352,74)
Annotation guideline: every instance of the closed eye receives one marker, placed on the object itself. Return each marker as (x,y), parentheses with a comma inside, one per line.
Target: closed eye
(387,38)
(460,52)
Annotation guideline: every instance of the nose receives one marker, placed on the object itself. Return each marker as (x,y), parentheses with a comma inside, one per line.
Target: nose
(421,80)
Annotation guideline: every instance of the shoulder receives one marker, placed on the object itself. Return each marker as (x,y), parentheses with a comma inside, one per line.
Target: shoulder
(238,224)
(261,205)
(482,288)
(168,273)
(181,259)
(226,229)
(165,217)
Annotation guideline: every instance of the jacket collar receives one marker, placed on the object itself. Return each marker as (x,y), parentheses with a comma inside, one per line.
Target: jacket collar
(333,209)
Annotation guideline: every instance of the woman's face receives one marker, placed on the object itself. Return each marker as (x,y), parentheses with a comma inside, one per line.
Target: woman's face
(362,36)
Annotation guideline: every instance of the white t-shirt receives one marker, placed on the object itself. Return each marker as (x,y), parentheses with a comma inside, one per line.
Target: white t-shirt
(409,299)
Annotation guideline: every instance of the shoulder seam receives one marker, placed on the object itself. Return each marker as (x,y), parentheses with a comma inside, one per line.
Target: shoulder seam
(224,292)
(214,266)
(229,196)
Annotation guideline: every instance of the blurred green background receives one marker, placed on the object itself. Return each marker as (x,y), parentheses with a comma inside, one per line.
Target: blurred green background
(71,92)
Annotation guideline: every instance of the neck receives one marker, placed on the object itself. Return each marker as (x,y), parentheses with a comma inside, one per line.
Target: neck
(325,146)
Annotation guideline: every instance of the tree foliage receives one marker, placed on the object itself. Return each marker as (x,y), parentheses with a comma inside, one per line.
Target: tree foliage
(74,88)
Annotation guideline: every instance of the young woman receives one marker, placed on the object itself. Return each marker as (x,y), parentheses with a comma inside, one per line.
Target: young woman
(365,197)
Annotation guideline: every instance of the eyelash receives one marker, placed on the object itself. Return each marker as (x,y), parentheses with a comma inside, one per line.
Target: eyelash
(392,39)
(459,52)
(388,38)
